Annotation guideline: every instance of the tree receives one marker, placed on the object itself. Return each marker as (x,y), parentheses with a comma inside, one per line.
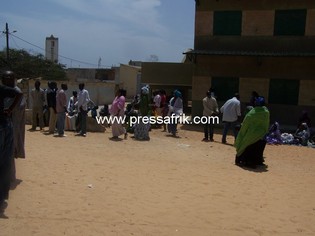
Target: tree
(26,65)
(153,58)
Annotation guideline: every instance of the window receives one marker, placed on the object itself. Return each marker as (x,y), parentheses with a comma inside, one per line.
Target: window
(225,87)
(290,22)
(227,23)
(284,91)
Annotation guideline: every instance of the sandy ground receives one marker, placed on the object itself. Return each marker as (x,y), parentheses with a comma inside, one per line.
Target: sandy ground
(167,186)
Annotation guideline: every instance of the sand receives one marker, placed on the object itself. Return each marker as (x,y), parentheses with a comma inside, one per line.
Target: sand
(165,186)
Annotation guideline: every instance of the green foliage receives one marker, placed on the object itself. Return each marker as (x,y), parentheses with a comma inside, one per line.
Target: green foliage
(26,65)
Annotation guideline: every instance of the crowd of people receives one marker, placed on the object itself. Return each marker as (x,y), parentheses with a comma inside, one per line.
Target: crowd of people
(304,135)
(251,133)
(145,106)
(254,131)
(12,120)
(59,106)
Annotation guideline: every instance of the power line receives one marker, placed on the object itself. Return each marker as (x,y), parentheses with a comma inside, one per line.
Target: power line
(68,58)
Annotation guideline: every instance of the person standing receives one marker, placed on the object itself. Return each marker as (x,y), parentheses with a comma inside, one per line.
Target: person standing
(83,100)
(164,107)
(210,107)
(157,103)
(38,97)
(51,103)
(61,108)
(141,130)
(231,112)
(117,112)
(18,121)
(254,95)
(175,111)
(250,142)
(6,138)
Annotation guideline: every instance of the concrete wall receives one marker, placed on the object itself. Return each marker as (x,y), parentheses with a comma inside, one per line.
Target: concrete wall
(100,92)
(247,85)
(258,23)
(254,23)
(78,74)
(130,79)
(307,93)
(203,23)
(256,67)
(160,73)
(254,71)
(170,76)
(310,23)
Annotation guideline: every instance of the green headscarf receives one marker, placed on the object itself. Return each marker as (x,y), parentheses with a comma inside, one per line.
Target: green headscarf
(254,127)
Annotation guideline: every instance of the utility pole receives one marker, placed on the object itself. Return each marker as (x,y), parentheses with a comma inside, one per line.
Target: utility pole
(7,32)
(7,37)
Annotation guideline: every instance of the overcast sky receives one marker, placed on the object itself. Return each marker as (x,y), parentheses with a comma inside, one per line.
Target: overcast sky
(114,30)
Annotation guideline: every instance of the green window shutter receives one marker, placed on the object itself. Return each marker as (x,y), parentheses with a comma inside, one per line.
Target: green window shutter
(284,91)
(227,23)
(225,87)
(290,22)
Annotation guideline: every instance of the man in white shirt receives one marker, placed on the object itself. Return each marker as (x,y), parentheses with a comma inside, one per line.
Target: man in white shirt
(210,108)
(81,104)
(71,104)
(231,112)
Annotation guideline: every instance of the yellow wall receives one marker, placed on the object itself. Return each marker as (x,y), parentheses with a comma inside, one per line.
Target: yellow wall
(307,95)
(128,78)
(201,85)
(258,23)
(203,23)
(247,85)
(310,23)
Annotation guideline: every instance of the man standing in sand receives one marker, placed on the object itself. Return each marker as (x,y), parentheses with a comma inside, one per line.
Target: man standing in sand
(18,121)
(231,112)
(6,138)
(38,97)
(61,108)
(83,100)
(51,103)
(210,107)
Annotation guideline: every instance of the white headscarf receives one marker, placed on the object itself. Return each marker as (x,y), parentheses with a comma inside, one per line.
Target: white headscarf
(145,89)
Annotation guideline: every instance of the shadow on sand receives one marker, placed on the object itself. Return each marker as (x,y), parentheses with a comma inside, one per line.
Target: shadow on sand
(15,183)
(258,169)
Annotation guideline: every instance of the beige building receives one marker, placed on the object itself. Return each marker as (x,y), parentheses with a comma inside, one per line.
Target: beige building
(267,46)
(130,79)
(169,76)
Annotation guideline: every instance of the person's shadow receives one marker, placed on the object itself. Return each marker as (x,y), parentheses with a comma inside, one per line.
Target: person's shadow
(114,139)
(15,183)
(258,169)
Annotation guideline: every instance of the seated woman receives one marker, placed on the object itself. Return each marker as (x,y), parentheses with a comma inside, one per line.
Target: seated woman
(274,135)
(250,142)
(302,134)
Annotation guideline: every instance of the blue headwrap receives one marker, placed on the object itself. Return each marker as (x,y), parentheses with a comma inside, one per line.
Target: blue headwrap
(177,93)
(260,101)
